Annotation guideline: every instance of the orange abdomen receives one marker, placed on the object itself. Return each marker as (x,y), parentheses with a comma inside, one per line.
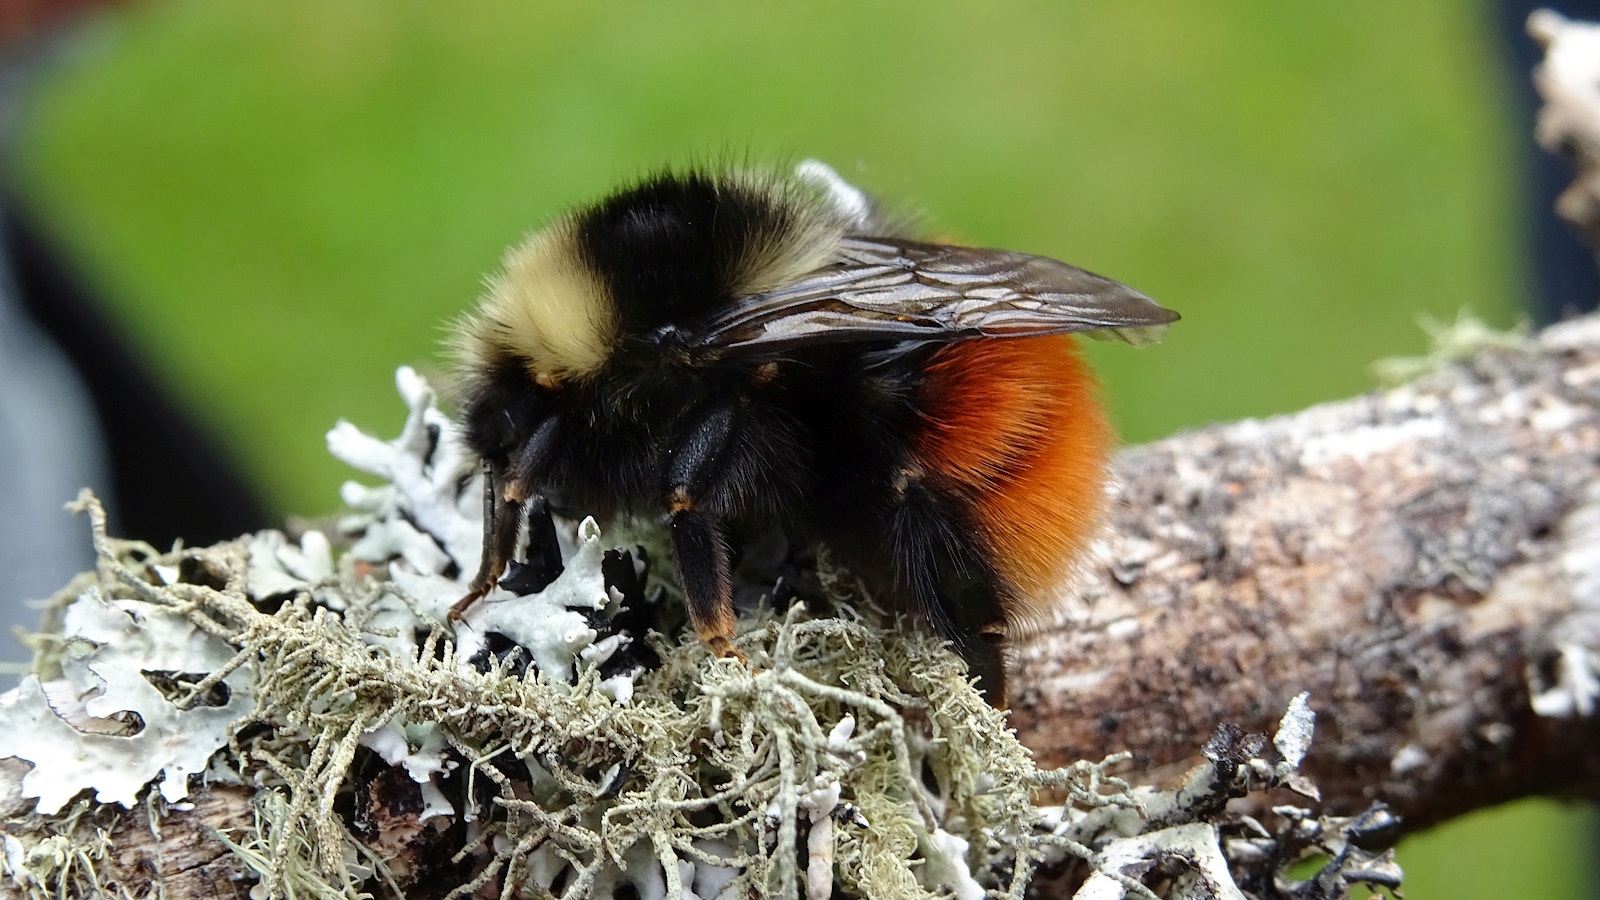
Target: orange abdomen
(1013,427)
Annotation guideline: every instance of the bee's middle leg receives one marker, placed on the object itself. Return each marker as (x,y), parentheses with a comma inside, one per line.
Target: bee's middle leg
(698,536)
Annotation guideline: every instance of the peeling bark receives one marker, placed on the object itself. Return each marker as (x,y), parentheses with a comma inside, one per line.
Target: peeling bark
(1424,562)
(182,860)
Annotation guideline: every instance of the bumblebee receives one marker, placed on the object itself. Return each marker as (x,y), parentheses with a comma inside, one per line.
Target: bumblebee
(735,350)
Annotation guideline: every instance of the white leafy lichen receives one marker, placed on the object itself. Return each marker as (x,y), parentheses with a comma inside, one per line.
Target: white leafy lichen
(103,725)
(1577,686)
(1125,835)
(549,625)
(421,470)
(1294,733)
(422,751)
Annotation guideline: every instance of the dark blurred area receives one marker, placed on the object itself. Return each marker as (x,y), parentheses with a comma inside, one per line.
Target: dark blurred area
(166,477)
(21,20)
(78,406)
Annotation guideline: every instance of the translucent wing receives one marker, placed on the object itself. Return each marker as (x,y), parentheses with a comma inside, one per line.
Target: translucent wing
(888,288)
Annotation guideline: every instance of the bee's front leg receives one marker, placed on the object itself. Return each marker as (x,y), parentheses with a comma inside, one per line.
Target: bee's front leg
(503,499)
(502,517)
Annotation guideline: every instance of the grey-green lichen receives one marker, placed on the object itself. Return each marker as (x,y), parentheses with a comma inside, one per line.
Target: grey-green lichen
(1448,342)
(712,775)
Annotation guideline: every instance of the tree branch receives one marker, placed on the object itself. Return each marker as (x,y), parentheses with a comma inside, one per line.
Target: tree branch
(1424,562)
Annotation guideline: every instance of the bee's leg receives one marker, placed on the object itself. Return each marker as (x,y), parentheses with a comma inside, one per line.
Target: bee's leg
(697,535)
(707,578)
(941,567)
(502,509)
(502,518)
(532,460)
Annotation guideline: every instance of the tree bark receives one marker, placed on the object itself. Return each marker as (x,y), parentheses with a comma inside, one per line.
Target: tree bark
(179,859)
(1425,562)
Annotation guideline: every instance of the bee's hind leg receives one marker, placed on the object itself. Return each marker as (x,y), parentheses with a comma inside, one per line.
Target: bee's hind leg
(940,568)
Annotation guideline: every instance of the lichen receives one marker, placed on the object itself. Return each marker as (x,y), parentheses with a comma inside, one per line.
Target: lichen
(566,742)
(105,724)
(1448,342)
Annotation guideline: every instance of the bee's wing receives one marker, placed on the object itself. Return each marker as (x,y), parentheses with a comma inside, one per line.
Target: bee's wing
(887,288)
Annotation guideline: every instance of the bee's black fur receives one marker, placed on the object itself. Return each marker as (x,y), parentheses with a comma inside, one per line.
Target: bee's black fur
(501,411)
(815,449)
(669,248)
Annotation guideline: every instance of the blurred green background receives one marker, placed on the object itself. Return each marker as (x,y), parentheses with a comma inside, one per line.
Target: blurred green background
(284,201)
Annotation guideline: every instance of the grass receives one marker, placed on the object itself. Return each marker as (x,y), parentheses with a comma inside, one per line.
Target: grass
(284,201)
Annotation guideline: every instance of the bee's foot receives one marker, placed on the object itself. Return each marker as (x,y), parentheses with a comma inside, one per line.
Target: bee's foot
(459,608)
(723,648)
